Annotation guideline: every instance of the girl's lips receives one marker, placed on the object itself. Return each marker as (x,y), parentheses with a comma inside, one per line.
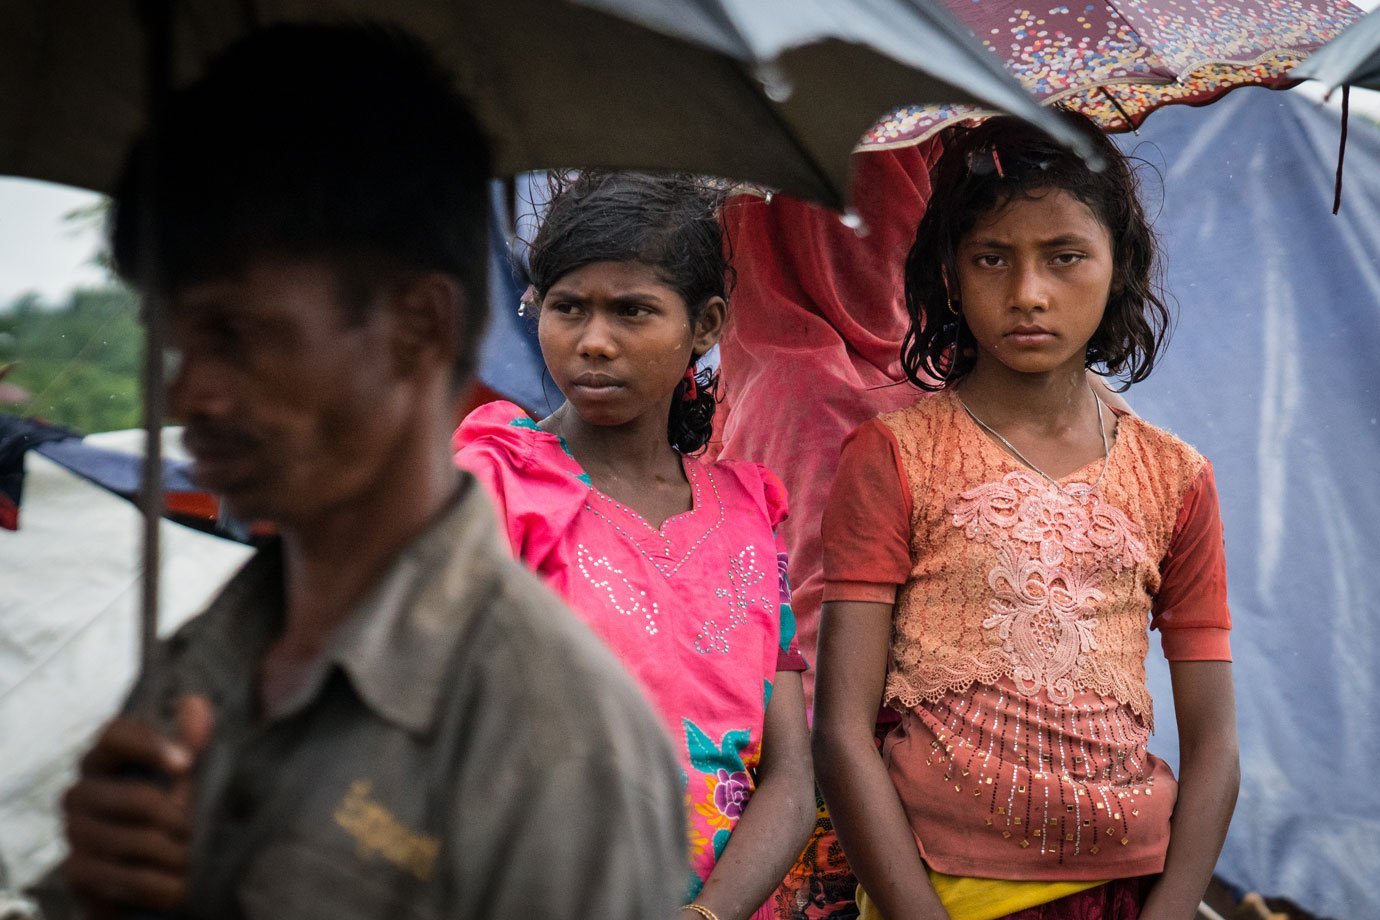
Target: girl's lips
(1030,336)
(596,382)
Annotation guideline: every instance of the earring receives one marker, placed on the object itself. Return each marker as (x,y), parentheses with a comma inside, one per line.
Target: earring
(692,385)
(954,349)
(527,303)
(948,296)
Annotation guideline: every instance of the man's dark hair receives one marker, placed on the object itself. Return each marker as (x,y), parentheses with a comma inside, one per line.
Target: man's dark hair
(984,168)
(669,222)
(344,143)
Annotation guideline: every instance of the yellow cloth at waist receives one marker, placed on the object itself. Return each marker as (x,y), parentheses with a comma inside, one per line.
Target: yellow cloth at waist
(984,898)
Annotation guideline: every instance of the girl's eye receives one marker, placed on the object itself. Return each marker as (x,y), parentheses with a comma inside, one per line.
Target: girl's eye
(634,311)
(988,260)
(1068,258)
(563,306)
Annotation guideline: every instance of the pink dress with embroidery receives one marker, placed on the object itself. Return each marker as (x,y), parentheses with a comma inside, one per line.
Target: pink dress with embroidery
(698,610)
(1020,634)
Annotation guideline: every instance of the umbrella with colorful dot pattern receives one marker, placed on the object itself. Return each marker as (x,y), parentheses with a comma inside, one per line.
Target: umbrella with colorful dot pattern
(1119,61)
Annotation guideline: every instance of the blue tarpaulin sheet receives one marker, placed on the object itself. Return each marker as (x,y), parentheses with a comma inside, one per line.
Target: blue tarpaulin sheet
(1271,373)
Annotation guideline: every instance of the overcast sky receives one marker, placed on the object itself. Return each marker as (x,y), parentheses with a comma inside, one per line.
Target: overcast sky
(41,252)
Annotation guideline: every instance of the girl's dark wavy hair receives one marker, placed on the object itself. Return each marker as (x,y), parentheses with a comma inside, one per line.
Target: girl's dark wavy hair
(968,184)
(670,222)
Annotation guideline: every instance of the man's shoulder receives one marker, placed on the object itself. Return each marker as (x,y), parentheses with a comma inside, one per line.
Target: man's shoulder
(529,654)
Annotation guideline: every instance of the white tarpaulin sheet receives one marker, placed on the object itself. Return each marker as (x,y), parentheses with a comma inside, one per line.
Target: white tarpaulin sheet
(69,601)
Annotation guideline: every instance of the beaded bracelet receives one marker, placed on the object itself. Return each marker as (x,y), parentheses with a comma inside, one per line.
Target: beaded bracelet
(703,911)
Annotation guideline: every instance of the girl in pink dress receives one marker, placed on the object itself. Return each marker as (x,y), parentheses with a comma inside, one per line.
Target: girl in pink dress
(673,561)
(993,556)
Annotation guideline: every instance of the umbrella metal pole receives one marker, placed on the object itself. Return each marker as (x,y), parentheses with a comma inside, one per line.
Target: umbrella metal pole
(157,16)
(158,31)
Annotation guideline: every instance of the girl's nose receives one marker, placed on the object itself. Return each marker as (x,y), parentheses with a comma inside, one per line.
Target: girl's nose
(597,339)
(1028,289)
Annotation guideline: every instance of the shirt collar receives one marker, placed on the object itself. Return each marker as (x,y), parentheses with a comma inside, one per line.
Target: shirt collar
(400,640)
(397,642)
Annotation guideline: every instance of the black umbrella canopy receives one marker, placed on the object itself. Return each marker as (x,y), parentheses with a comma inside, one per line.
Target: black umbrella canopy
(770,91)
(1351,59)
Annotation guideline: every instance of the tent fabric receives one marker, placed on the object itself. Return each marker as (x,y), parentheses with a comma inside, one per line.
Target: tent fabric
(69,612)
(17,437)
(116,471)
(509,359)
(1271,374)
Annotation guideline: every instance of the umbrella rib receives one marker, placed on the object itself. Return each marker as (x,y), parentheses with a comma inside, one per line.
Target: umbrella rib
(1120,111)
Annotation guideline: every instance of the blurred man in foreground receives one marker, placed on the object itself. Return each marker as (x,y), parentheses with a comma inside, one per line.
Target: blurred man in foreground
(381,714)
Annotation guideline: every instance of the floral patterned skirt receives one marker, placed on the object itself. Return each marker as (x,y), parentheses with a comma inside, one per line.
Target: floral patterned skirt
(820,884)
(1119,899)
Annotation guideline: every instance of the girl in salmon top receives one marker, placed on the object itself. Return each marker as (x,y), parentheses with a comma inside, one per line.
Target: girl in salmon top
(673,561)
(993,556)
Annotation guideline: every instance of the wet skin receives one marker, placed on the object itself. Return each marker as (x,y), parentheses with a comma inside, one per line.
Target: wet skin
(617,339)
(1034,278)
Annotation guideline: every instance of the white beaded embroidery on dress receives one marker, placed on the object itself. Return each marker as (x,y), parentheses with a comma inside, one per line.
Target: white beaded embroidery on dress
(744,574)
(623,596)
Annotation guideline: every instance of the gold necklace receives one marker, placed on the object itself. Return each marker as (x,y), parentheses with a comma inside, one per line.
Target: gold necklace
(1101,429)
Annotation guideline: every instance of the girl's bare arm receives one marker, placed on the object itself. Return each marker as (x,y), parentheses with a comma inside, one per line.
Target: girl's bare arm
(1209,774)
(779,816)
(854,641)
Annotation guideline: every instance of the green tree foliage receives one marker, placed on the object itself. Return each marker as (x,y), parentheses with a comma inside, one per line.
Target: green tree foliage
(80,361)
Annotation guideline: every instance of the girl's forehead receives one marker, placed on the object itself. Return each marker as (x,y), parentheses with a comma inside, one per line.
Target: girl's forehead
(1039,212)
(614,275)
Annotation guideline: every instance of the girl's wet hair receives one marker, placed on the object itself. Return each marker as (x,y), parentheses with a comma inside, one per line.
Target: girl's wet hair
(981,170)
(669,222)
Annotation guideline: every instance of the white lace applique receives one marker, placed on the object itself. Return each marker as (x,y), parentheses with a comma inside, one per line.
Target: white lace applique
(623,595)
(1050,542)
(744,575)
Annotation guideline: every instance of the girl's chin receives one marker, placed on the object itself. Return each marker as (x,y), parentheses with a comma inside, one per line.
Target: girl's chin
(1036,363)
(600,414)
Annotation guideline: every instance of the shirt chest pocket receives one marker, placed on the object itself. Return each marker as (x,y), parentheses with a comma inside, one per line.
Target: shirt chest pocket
(352,850)
(303,879)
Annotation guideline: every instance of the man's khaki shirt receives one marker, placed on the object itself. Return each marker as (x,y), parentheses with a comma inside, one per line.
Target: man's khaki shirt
(465,748)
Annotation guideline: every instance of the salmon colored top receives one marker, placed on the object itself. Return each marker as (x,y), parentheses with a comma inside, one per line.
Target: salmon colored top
(1020,634)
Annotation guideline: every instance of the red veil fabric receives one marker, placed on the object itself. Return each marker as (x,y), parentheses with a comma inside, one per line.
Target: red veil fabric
(813,342)
(812,350)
